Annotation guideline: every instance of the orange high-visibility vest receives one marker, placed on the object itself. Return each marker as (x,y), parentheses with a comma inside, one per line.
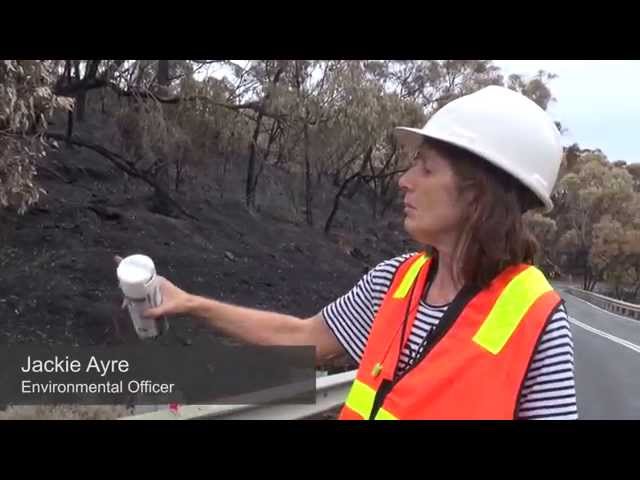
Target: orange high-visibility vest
(474,370)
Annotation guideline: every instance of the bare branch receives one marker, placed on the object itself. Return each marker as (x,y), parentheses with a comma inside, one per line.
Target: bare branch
(255,106)
(123,164)
(368,178)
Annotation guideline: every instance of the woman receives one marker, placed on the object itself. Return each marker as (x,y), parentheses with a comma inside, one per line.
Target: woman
(467,328)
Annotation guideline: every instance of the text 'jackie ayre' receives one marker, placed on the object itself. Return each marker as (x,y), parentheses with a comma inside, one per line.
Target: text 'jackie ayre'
(65,365)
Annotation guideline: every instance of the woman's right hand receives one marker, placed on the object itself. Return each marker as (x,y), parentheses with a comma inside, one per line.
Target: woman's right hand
(174,300)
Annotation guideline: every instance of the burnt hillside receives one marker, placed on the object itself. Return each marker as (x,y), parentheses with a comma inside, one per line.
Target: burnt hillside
(58,283)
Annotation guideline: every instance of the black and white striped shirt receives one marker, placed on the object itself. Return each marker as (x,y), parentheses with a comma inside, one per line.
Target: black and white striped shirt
(549,389)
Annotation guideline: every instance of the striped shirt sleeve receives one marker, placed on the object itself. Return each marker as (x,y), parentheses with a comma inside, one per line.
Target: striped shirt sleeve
(549,390)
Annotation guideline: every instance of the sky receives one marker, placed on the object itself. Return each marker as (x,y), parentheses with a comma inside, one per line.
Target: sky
(598,102)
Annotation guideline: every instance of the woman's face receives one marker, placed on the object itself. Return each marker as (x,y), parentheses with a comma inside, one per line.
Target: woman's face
(434,206)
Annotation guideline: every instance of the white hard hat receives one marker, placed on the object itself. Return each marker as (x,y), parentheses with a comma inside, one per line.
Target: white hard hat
(503,127)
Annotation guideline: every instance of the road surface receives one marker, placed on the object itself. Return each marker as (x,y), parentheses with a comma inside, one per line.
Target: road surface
(607,358)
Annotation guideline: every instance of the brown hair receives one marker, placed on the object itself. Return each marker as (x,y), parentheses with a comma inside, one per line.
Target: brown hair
(496,236)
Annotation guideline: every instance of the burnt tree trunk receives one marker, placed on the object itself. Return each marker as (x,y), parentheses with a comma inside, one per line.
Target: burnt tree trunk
(89,75)
(81,100)
(178,178)
(341,190)
(162,176)
(163,73)
(67,71)
(336,202)
(307,179)
(272,136)
(308,200)
(224,175)
(250,193)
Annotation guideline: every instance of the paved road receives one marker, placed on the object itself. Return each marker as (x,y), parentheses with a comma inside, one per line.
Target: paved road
(607,356)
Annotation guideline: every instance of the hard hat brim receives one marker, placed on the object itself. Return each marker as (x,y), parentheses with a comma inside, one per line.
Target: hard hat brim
(411,139)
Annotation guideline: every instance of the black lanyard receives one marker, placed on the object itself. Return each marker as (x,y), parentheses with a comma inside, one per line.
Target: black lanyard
(449,317)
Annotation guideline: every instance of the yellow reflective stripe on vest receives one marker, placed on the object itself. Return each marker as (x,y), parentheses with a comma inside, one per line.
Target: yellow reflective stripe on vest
(385,415)
(409,277)
(518,296)
(360,398)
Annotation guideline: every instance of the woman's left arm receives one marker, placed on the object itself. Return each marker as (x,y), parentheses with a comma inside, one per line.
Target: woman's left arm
(549,390)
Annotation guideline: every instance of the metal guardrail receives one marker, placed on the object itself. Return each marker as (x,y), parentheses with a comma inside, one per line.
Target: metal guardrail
(331,392)
(610,304)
